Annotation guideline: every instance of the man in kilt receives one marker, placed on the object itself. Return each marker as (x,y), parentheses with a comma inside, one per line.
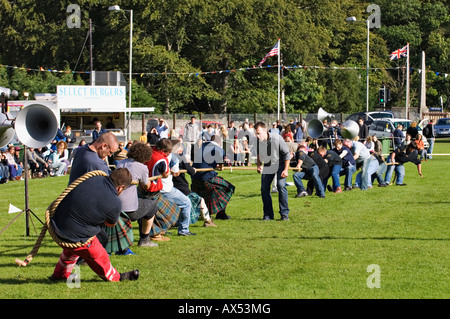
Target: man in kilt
(214,189)
(179,181)
(141,209)
(168,212)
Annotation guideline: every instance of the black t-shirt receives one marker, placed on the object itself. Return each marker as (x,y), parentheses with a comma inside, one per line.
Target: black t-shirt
(324,169)
(401,155)
(82,213)
(333,158)
(308,162)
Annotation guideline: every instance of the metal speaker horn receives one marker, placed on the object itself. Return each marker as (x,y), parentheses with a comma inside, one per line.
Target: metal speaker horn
(6,135)
(315,128)
(322,114)
(349,129)
(36,125)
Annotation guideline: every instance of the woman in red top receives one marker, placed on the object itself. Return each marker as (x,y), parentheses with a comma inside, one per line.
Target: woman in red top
(287,133)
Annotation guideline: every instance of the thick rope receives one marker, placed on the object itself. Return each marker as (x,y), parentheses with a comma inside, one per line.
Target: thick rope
(49,214)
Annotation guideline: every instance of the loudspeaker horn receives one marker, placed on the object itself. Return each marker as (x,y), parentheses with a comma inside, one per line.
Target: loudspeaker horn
(322,114)
(315,128)
(349,129)
(6,135)
(36,125)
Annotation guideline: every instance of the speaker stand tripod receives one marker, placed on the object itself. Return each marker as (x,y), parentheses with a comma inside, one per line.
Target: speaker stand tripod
(28,212)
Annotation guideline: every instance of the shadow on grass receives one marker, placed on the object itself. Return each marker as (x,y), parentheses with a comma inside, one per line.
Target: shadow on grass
(43,280)
(357,238)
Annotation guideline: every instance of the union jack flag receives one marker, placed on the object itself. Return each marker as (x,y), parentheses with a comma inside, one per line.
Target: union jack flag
(272,52)
(397,54)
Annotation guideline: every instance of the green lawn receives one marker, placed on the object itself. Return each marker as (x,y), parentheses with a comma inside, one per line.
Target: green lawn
(323,251)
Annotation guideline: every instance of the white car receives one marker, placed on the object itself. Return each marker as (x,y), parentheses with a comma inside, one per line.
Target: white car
(386,127)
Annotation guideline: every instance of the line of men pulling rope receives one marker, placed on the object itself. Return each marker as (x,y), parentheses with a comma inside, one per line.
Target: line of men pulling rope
(103,205)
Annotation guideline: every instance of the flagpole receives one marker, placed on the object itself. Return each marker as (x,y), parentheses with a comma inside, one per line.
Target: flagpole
(407,79)
(279,79)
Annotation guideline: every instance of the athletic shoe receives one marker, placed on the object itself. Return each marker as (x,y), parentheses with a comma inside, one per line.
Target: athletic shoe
(301,194)
(159,237)
(125,252)
(131,275)
(338,190)
(186,234)
(146,242)
(209,223)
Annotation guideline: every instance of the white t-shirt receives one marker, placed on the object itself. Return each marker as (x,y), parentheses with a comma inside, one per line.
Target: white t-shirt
(129,196)
(174,166)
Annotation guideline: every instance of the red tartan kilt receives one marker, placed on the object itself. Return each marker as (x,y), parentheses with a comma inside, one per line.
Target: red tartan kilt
(216,192)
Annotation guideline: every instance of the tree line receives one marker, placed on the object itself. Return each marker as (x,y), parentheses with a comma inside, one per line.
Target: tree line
(199,55)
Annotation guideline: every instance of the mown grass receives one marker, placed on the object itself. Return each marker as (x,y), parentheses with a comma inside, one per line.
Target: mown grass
(323,251)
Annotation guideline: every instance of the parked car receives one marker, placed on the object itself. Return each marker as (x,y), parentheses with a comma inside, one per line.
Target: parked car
(369,117)
(442,127)
(386,127)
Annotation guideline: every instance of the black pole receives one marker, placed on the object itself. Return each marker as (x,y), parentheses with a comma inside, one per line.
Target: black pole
(26,168)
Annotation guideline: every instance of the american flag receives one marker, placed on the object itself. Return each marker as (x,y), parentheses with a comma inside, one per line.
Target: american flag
(272,52)
(397,54)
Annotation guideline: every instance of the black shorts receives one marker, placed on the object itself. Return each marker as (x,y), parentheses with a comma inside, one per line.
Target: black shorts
(147,209)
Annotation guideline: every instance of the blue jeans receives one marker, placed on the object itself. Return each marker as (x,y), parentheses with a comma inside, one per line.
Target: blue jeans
(184,203)
(399,171)
(364,174)
(380,172)
(335,170)
(309,173)
(266,182)
(59,167)
(372,168)
(348,172)
(430,148)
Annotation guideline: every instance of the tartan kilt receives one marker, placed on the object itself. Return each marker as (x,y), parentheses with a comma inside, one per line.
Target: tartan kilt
(216,192)
(166,217)
(195,207)
(120,236)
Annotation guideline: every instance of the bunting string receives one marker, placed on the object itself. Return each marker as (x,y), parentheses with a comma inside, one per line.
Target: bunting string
(293,67)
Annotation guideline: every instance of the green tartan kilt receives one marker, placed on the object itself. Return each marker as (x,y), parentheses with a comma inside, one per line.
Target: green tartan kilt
(195,207)
(166,217)
(216,192)
(120,236)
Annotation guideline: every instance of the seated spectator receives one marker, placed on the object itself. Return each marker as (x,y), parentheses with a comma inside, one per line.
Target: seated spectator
(377,146)
(38,165)
(4,169)
(369,143)
(99,130)
(421,147)
(120,154)
(9,155)
(56,165)
(128,146)
(18,161)
(152,137)
(62,149)
(70,139)
(407,140)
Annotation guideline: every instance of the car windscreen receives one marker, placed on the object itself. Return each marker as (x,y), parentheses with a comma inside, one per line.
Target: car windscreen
(443,122)
(382,115)
(405,124)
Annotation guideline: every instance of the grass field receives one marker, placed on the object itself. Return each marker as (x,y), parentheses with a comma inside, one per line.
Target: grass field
(322,252)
